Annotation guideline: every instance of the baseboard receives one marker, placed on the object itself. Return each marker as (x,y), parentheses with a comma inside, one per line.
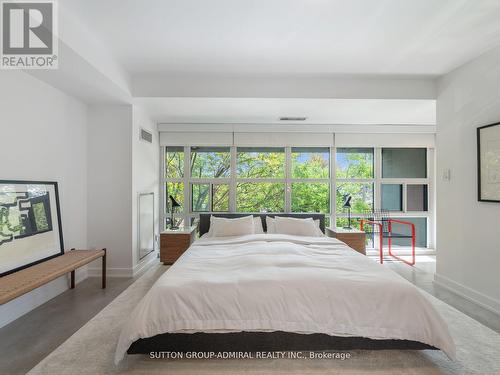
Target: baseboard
(138,270)
(111,272)
(145,264)
(469,294)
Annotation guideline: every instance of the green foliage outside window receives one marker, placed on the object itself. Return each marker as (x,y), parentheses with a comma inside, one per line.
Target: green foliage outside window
(260,197)
(174,162)
(260,163)
(210,162)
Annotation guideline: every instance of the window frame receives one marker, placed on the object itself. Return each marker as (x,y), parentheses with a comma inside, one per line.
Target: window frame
(188,215)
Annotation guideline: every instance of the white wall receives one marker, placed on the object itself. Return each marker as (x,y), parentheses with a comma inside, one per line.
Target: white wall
(109,181)
(145,179)
(468,242)
(43,137)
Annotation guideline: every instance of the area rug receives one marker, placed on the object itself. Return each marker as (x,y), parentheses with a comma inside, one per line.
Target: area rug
(91,349)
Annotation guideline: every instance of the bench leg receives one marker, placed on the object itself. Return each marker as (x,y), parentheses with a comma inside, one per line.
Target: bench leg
(72,286)
(104,270)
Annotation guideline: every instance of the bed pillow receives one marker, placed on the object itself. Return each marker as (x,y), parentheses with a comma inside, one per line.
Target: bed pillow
(222,227)
(271,227)
(257,225)
(294,226)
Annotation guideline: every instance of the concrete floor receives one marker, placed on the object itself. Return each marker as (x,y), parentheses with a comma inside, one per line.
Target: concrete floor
(29,339)
(26,341)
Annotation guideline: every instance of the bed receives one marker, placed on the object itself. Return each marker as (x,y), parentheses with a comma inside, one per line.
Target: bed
(280,292)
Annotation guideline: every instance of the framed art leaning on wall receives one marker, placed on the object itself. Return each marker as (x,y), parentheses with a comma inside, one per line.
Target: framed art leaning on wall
(30,224)
(488,163)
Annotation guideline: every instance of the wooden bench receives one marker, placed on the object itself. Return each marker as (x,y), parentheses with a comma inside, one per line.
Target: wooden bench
(24,281)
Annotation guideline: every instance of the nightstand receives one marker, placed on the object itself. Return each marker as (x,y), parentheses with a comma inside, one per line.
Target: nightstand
(173,243)
(354,238)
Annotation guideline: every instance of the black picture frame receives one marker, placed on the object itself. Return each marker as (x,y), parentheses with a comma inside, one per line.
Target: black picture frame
(479,164)
(59,222)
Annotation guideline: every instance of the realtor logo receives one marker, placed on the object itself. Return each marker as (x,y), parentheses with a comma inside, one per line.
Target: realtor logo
(29,38)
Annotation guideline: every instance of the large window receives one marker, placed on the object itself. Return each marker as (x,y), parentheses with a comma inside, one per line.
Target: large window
(302,179)
(310,179)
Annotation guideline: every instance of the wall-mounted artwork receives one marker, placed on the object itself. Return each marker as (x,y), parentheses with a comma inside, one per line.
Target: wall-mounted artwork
(488,160)
(30,224)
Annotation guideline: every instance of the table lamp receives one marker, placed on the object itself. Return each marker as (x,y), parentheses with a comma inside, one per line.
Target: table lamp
(174,204)
(347,204)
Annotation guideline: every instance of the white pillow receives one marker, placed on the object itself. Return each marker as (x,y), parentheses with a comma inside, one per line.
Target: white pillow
(294,226)
(222,227)
(257,225)
(271,229)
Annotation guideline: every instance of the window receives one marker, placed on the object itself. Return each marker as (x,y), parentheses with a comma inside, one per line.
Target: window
(404,163)
(420,231)
(301,179)
(253,162)
(210,162)
(176,190)
(200,197)
(260,197)
(361,193)
(392,197)
(310,162)
(354,163)
(174,162)
(416,198)
(311,197)
(208,197)
(310,183)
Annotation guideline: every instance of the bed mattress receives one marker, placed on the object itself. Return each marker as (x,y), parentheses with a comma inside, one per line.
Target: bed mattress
(284,283)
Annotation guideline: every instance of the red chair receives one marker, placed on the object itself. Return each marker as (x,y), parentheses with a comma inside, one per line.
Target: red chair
(381,224)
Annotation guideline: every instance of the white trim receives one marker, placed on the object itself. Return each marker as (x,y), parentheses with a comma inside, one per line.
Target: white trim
(146,263)
(469,294)
(304,127)
(111,272)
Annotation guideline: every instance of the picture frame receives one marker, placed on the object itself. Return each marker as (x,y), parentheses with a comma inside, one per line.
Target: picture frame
(30,224)
(488,163)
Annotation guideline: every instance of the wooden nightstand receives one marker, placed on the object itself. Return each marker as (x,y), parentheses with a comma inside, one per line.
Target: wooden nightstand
(173,243)
(354,238)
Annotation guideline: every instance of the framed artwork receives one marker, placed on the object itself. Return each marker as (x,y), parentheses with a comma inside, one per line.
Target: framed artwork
(488,163)
(30,224)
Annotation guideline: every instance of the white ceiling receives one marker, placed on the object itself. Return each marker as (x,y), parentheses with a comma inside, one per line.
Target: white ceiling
(293,37)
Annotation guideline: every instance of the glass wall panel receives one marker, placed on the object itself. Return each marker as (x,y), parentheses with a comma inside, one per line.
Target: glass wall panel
(362,196)
(392,197)
(176,189)
(200,197)
(174,162)
(220,197)
(311,197)
(260,162)
(260,197)
(310,162)
(210,162)
(416,198)
(354,163)
(404,162)
(420,231)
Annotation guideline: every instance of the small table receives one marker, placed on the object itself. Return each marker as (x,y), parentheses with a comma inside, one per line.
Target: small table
(353,238)
(173,243)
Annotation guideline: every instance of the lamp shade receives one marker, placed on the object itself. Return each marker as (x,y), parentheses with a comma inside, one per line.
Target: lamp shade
(347,201)
(174,202)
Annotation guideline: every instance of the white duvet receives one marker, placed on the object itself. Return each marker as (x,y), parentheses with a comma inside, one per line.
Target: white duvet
(267,282)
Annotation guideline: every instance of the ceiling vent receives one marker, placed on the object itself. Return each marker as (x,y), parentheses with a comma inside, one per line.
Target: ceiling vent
(146,136)
(293,118)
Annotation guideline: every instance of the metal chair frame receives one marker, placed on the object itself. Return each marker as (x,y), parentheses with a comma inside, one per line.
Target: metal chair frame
(381,219)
